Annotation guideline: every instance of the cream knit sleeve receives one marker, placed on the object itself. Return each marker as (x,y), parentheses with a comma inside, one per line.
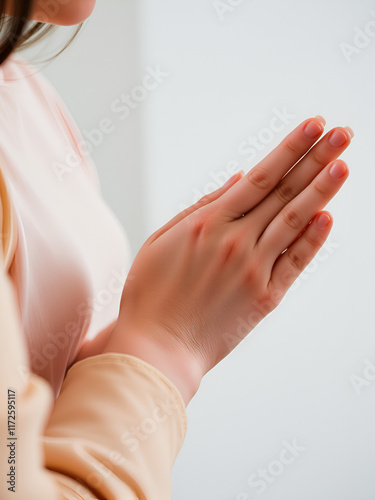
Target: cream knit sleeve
(115,430)
(113,433)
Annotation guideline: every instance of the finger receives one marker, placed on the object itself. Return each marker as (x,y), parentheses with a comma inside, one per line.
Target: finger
(296,258)
(302,174)
(261,179)
(295,216)
(205,200)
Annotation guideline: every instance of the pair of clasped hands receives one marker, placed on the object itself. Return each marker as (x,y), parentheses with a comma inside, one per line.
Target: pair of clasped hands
(230,258)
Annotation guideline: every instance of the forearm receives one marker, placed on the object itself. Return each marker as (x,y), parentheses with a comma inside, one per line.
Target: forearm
(182,369)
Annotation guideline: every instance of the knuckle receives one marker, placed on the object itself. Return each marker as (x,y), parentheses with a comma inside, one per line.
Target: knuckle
(296,261)
(267,301)
(231,249)
(251,278)
(200,223)
(321,189)
(288,277)
(317,157)
(291,147)
(260,178)
(285,192)
(204,200)
(277,293)
(292,217)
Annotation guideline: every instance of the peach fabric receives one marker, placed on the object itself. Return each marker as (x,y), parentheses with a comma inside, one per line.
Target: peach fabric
(118,423)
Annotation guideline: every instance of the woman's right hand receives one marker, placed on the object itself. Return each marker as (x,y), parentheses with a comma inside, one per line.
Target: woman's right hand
(203,281)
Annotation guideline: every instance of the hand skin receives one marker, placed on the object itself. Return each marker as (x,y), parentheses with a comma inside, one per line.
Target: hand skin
(212,268)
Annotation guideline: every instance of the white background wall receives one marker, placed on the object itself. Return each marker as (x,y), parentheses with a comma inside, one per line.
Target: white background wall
(292,378)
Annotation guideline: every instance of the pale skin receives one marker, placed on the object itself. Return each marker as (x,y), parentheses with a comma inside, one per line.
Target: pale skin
(232,255)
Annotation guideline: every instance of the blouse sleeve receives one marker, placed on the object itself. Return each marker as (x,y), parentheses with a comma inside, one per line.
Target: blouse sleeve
(113,433)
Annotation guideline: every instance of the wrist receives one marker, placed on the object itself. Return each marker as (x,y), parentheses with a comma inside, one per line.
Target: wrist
(180,367)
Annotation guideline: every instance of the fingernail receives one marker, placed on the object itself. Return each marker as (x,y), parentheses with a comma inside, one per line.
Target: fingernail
(350,130)
(323,220)
(337,170)
(321,119)
(338,138)
(230,180)
(312,129)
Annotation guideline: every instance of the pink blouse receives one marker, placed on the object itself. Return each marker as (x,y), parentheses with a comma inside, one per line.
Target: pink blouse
(68,253)
(110,426)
